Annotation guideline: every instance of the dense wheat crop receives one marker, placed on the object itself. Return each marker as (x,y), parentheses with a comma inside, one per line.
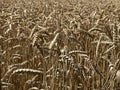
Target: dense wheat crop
(60,44)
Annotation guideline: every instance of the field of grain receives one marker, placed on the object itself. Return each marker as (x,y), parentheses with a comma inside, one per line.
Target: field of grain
(60,44)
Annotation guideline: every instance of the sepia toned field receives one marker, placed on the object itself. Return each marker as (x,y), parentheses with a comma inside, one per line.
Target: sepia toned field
(59,45)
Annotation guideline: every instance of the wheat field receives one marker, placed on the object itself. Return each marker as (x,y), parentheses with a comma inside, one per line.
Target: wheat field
(59,45)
